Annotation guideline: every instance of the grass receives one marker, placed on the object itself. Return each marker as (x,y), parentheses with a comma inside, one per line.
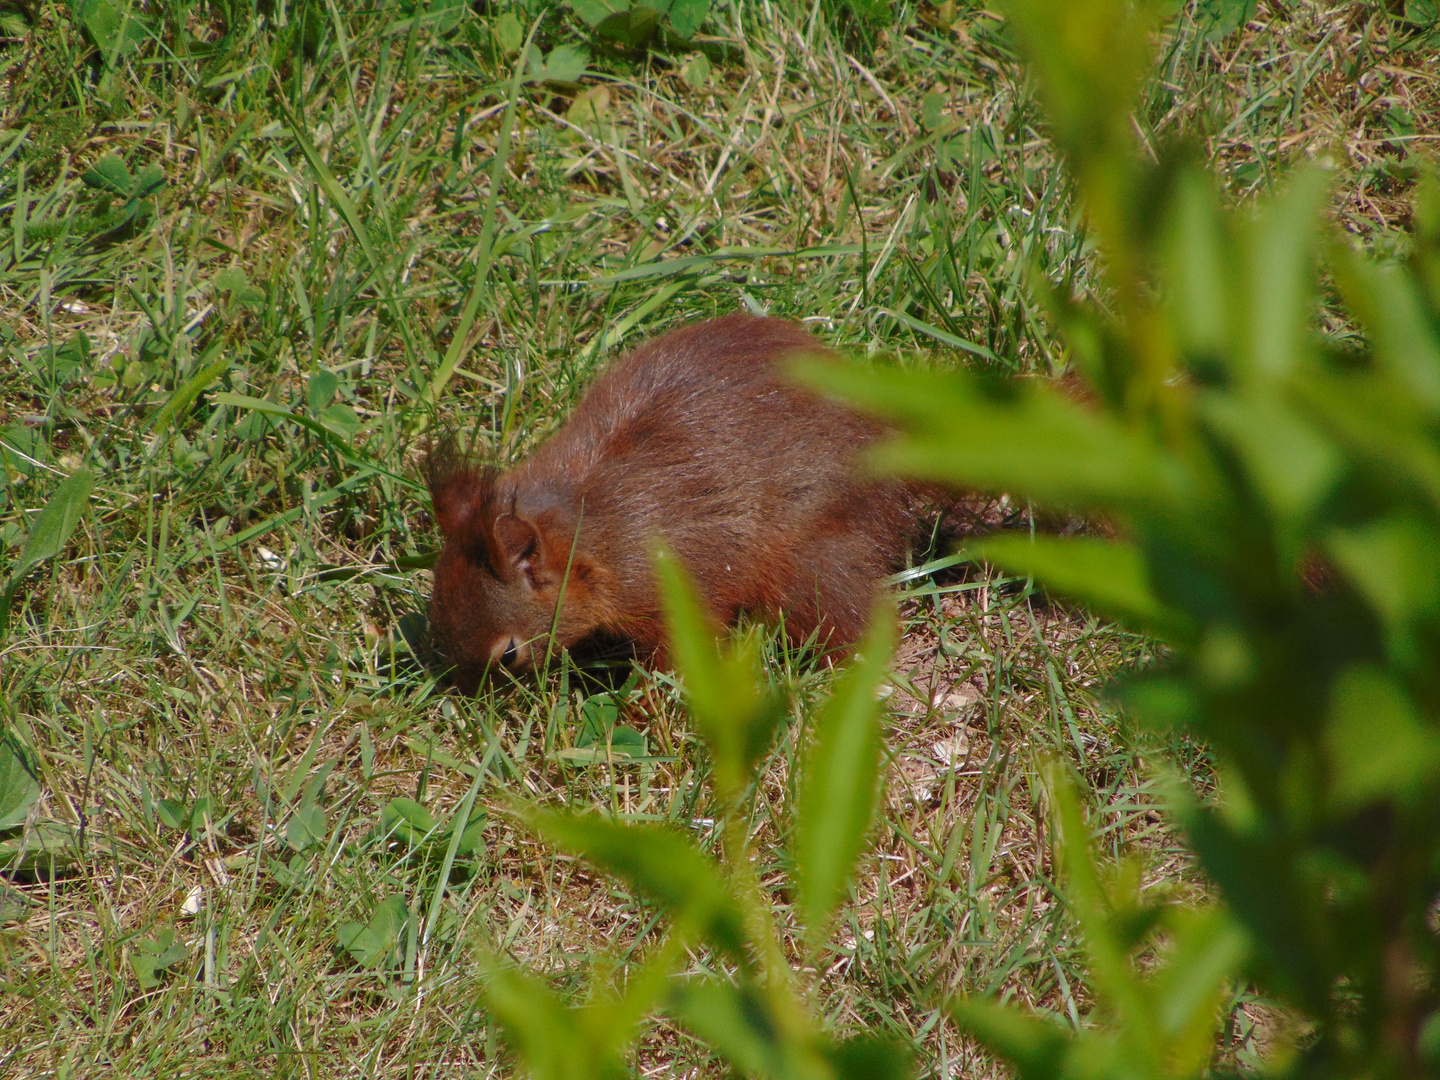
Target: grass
(216,682)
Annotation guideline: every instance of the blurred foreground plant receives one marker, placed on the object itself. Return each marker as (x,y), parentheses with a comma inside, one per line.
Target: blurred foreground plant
(751,1006)
(1278,495)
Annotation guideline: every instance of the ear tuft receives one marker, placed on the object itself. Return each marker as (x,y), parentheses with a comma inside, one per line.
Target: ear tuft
(461,490)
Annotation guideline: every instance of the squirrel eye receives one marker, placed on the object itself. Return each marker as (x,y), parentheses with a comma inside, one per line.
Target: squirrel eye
(508,656)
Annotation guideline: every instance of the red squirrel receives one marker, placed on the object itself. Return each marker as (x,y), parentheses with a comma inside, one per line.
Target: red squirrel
(695,438)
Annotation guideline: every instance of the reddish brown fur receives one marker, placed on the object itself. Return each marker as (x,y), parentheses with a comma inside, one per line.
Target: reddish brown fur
(695,438)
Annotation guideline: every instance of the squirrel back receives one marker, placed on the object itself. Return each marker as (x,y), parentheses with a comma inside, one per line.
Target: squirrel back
(695,437)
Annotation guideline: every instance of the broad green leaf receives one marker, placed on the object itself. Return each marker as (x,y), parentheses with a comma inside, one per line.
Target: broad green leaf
(340,419)
(1280,249)
(1202,962)
(1198,253)
(657,862)
(1292,465)
(687,16)
(564,64)
(1220,18)
(152,955)
(172,813)
(147,181)
(1112,974)
(1376,419)
(932,114)
(1022,437)
(597,717)
(46,846)
(871,1057)
(739,1023)
(509,34)
(734,715)
(839,784)
(57,521)
(1107,576)
(245,401)
(1388,304)
(1257,876)
(306,827)
(594,12)
(634,27)
(50,533)
(1090,57)
(321,390)
(113,25)
(373,943)
(1037,1048)
(552,1040)
(880,12)
(1395,564)
(696,71)
(407,820)
(109,174)
(1379,746)
(19,786)
(589,108)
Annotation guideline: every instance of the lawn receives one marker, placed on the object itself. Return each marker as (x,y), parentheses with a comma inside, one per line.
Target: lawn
(252,258)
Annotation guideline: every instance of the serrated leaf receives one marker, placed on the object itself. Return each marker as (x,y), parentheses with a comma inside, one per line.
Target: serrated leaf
(109,174)
(839,785)
(658,862)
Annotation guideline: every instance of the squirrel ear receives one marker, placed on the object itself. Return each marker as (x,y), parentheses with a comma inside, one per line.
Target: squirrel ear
(519,546)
